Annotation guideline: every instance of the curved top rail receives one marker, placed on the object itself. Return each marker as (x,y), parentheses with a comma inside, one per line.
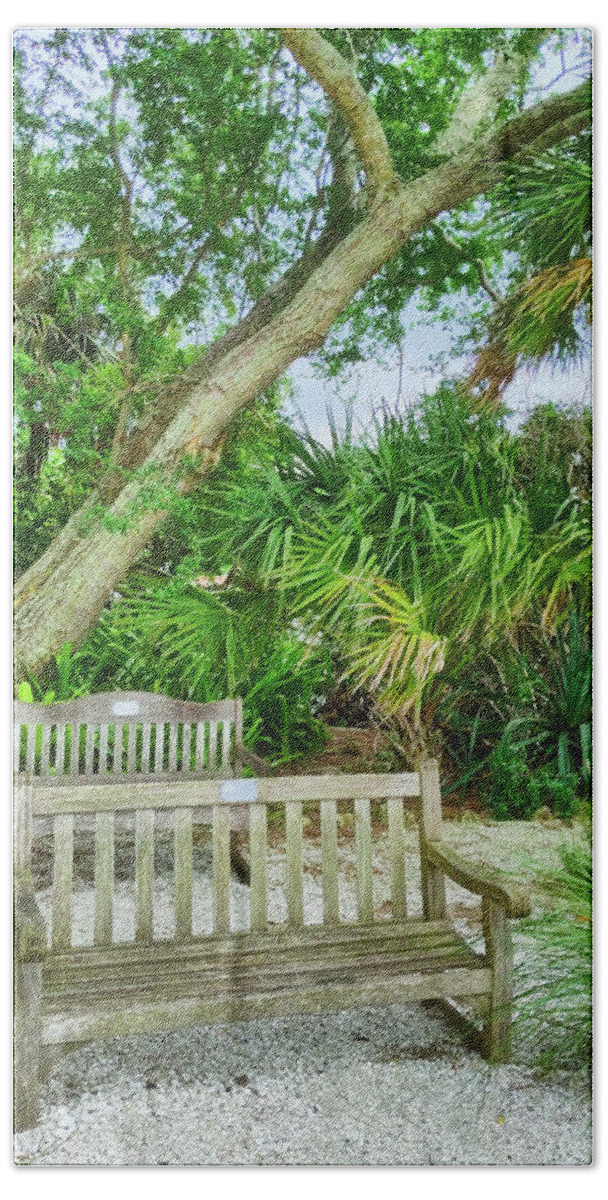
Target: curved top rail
(125,707)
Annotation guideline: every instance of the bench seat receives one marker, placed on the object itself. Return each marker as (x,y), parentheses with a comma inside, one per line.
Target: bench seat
(120,790)
(90,993)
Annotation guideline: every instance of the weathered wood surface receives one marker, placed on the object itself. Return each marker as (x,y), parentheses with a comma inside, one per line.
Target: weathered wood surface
(433,879)
(183,873)
(110,707)
(481,880)
(144,874)
(397,857)
(259,867)
(104,878)
(221,870)
(63,857)
(294,871)
(148,985)
(131,793)
(499,951)
(329,862)
(215,978)
(111,734)
(27,1038)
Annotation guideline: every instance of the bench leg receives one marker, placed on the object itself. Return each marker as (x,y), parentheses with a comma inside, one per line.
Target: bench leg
(27,1039)
(499,951)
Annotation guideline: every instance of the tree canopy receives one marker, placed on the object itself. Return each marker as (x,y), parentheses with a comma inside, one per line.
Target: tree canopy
(195,209)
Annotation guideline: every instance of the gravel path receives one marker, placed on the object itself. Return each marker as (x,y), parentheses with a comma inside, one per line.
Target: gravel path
(383,1086)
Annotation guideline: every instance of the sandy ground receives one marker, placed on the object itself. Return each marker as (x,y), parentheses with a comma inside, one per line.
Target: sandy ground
(395,1085)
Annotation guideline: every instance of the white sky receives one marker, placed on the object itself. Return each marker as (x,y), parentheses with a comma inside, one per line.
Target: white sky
(369,385)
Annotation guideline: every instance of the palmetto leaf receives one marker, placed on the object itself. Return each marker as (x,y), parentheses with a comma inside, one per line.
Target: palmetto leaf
(396,655)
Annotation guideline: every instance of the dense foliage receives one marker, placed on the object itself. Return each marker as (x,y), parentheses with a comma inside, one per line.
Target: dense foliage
(440,567)
(435,571)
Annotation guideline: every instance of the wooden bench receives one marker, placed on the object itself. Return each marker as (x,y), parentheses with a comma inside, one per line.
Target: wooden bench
(68,992)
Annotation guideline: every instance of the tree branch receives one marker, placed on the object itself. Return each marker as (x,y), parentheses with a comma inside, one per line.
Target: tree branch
(63,593)
(477,263)
(339,81)
(479,103)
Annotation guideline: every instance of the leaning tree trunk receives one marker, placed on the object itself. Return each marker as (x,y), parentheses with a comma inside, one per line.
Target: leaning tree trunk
(62,595)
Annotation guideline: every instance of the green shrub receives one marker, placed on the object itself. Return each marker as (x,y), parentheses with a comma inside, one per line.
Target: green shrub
(555,1012)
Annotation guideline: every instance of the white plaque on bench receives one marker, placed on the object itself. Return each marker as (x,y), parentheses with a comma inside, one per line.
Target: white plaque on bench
(238,791)
(126,708)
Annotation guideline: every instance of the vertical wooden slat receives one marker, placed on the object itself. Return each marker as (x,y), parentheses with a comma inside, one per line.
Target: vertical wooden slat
(499,951)
(46,749)
(22,832)
(16,747)
(183,873)
(144,873)
(433,879)
(62,881)
(238,735)
(259,869)
(173,733)
(60,750)
(329,861)
(145,747)
(226,747)
(159,745)
(74,748)
(221,869)
(186,747)
(121,747)
(31,749)
(102,765)
(112,738)
(363,848)
(104,878)
(213,747)
(200,746)
(88,749)
(132,751)
(397,857)
(294,875)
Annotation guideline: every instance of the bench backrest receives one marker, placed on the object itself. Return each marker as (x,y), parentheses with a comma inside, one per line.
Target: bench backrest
(126,735)
(134,813)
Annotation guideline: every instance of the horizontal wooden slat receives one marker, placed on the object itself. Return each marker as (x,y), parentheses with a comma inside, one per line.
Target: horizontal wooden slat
(108,706)
(188,793)
(84,972)
(277,940)
(165,1015)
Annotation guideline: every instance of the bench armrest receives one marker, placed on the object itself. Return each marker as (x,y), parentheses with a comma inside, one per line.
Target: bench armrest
(249,759)
(482,881)
(30,930)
